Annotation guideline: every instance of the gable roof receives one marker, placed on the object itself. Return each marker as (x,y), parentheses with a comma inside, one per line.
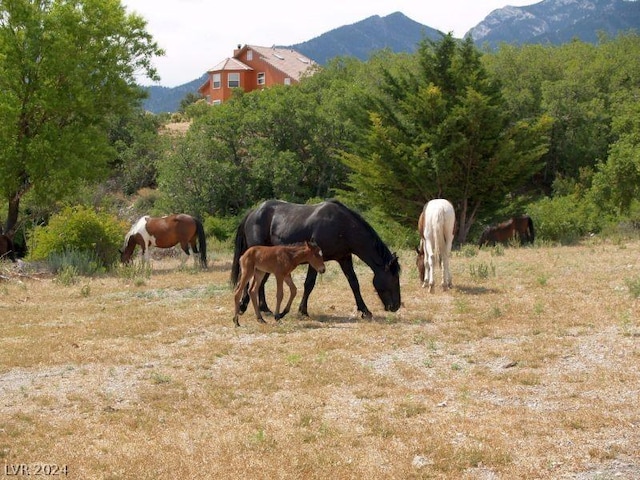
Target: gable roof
(229,64)
(293,64)
(287,60)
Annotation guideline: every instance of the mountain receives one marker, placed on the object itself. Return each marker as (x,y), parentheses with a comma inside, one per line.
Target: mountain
(165,99)
(557,22)
(396,32)
(548,21)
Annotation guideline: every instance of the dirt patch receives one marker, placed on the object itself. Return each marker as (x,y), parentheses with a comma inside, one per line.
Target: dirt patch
(528,372)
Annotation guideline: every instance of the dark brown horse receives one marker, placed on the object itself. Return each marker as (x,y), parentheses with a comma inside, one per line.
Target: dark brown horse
(515,228)
(280,261)
(7,249)
(166,232)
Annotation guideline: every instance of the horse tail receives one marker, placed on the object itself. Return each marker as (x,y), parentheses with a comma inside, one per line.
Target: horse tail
(240,247)
(532,235)
(440,239)
(202,243)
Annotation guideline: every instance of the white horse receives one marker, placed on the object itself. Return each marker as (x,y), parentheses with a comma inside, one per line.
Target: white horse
(436,238)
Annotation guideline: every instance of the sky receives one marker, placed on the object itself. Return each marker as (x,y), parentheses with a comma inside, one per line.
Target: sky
(198,34)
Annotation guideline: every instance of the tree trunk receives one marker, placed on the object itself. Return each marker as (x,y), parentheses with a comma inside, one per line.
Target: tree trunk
(12,215)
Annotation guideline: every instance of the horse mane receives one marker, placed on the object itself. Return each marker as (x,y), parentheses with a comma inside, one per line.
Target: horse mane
(380,247)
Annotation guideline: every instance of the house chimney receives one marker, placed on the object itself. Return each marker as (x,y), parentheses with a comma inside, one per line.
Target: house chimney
(237,50)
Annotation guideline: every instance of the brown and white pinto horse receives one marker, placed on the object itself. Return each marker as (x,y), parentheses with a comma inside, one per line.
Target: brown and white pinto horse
(515,228)
(436,225)
(7,249)
(279,260)
(166,232)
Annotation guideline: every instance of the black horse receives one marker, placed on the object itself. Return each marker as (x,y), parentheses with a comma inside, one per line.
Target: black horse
(339,231)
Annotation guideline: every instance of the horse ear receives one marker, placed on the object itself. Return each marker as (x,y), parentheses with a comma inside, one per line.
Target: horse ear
(393,263)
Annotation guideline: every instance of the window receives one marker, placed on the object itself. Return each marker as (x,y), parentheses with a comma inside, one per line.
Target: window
(216,80)
(249,55)
(287,81)
(261,78)
(217,102)
(233,80)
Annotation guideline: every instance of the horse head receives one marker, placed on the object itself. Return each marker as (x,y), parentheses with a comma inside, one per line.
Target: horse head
(386,281)
(315,256)
(127,250)
(484,237)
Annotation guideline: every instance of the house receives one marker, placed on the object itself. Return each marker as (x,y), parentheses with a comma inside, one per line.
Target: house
(253,67)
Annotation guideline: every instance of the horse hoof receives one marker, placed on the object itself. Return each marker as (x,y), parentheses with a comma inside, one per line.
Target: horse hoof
(367,315)
(261,320)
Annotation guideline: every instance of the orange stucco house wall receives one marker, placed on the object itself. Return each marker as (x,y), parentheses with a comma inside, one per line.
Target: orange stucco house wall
(253,67)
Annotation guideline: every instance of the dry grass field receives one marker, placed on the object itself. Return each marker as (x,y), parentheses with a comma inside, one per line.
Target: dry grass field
(528,368)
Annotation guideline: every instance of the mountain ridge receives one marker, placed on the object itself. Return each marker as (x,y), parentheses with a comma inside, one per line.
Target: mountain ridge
(548,21)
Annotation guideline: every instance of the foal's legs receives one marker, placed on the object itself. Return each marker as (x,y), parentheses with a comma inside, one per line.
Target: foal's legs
(238,293)
(280,294)
(258,276)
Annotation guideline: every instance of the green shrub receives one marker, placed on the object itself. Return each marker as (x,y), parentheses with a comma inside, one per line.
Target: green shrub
(564,219)
(634,286)
(468,251)
(395,235)
(221,228)
(78,261)
(79,229)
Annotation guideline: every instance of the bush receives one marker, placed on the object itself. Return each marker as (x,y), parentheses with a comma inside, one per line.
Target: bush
(78,229)
(395,235)
(74,261)
(221,228)
(564,219)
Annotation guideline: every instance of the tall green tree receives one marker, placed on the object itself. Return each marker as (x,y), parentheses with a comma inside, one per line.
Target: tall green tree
(616,183)
(66,67)
(442,129)
(278,143)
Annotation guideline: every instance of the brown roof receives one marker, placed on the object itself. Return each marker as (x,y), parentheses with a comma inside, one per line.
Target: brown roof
(229,64)
(288,61)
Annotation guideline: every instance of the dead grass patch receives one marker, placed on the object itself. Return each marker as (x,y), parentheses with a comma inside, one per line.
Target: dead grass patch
(529,371)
